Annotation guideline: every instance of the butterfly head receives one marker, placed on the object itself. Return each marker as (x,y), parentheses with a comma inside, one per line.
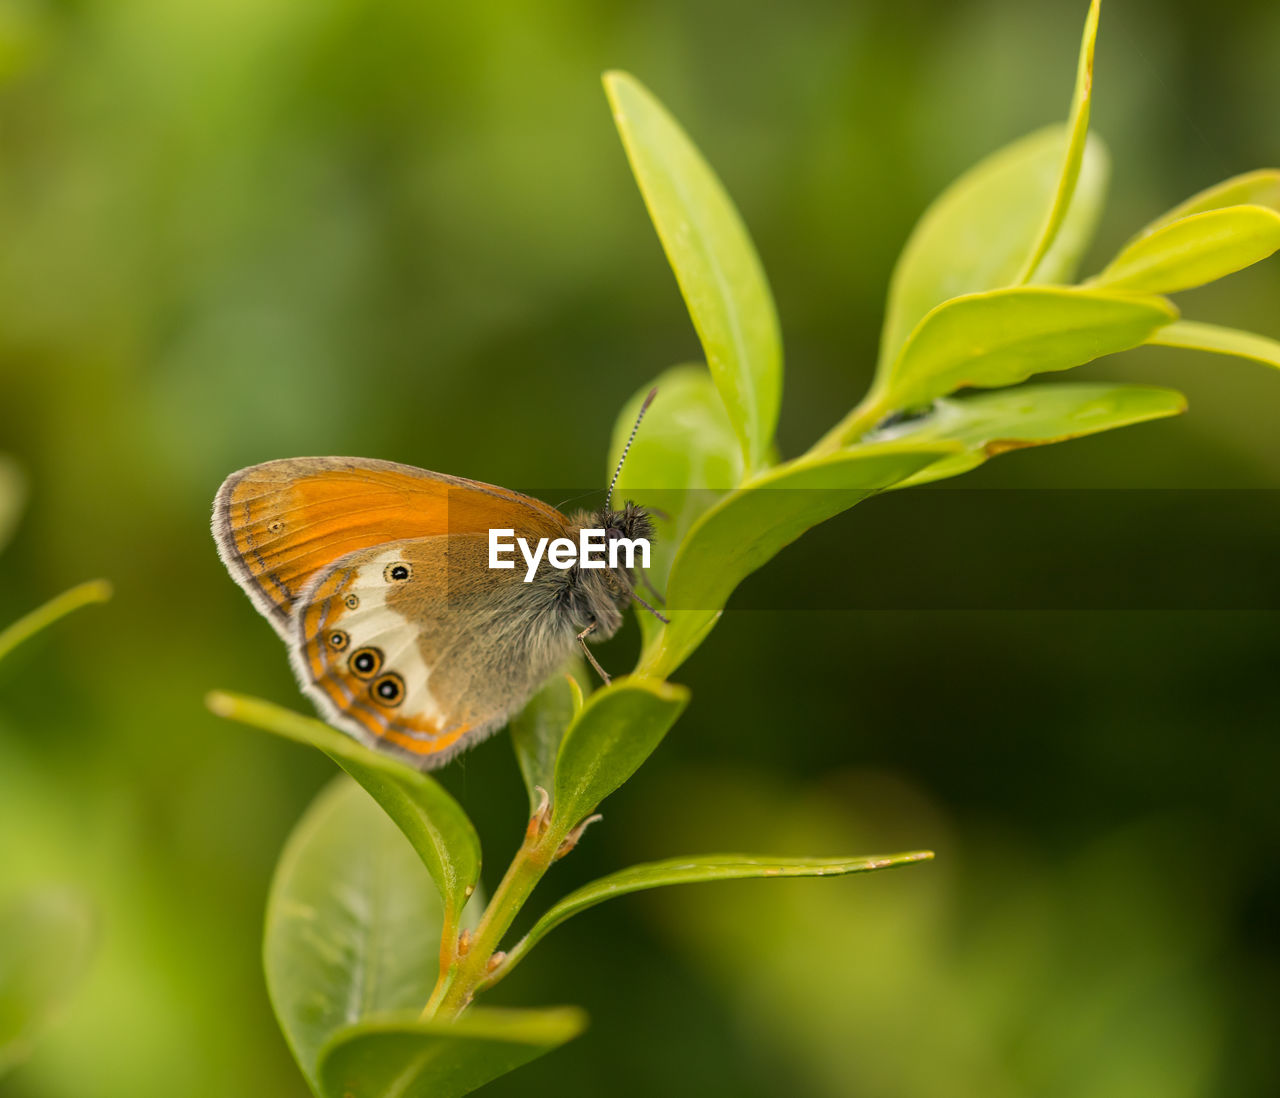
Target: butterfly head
(599,596)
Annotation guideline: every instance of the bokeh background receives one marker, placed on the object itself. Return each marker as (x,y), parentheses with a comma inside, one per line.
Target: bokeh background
(232,231)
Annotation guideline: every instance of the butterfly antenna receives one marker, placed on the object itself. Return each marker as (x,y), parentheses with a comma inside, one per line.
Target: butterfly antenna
(608,499)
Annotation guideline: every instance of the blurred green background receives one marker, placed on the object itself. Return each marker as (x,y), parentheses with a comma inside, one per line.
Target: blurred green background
(233,231)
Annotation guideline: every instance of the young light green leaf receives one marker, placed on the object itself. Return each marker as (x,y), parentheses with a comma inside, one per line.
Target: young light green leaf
(684,457)
(353,922)
(1259,188)
(1193,250)
(752,525)
(46,942)
(1078,133)
(715,263)
(618,728)
(12,495)
(433,822)
(27,626)
(408,1057)
(693,870)
(537,730)
(988,424)
(978,233)
(1003,337)
(1219,340)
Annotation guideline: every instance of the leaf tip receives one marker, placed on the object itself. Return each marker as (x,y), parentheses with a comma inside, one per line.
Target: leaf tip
(567,1022)
(575,693)
(657,687)
(99,590)
(220,703)
(615,81)
(892,861)
(672,692)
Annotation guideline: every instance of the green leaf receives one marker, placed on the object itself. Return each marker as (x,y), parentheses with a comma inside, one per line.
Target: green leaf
(702,867)
(684,458)
(988,424)
(1193,250)
(1078,132)
(978,233)
(1003,337)
(618,728)
(433,821)
(1259,188)
(27,626)
(537,731)
(46,942)
(353,922)
(752,525)
(714,261)
(12,495)
(411,1058)
(1219,340)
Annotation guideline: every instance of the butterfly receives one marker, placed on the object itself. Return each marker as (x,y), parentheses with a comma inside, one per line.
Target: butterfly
(378,578)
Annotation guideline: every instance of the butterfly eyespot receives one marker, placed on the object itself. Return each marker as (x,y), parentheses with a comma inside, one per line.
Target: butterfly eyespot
(276,527)
(365,662)
(338,640)
(397,572)
(351,601)
(388,690)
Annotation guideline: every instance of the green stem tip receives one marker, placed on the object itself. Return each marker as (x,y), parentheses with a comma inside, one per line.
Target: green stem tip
(42,617)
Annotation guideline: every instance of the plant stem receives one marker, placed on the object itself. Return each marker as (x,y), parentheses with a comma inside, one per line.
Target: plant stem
(870,411)
(457,983)
(44,616)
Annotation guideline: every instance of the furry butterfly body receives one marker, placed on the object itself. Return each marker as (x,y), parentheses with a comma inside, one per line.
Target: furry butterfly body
(377,577)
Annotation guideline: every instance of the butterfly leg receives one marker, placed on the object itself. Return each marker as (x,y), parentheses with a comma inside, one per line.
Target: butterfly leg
(657,595)
(582,640)
(661,617)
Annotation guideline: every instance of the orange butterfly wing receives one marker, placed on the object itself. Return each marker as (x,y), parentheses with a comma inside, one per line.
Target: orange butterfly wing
(418,648)
(279,524)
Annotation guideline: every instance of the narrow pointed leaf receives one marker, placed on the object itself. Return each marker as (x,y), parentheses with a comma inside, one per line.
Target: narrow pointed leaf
(46,943)
(618,728)
(1077,136)
(408,1057)
(1003,337)
(715,263)
(754,523)
(978,233)
(1193,250)
(1258,188)
(430,818)
(84,594)
(694,870)
(353,922)
(1219,340)
(537,731)
(988,424)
